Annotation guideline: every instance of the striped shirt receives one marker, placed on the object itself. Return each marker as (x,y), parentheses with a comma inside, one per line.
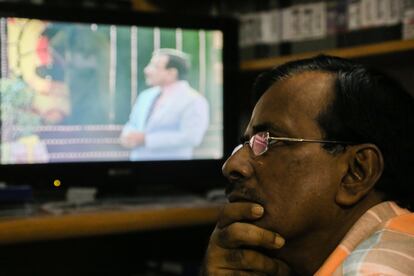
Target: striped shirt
(381,242)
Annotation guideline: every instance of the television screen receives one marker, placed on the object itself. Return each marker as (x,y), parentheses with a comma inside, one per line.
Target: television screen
(96,97)
(94,92)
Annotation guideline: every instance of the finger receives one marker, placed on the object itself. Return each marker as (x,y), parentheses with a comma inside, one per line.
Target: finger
(250,260)
(239,211)
(240,234)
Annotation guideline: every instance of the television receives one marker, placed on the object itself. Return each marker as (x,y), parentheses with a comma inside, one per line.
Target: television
(71,78)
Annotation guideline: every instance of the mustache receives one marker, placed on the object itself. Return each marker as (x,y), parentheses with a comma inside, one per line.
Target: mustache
(241,190)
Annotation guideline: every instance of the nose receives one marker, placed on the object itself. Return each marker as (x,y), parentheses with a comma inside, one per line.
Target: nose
(146,70)
(238,166)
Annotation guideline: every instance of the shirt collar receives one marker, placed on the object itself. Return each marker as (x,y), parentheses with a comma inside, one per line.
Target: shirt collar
(371,221)
(175,86)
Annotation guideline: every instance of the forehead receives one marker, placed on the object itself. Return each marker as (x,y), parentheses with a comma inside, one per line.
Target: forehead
(294,103)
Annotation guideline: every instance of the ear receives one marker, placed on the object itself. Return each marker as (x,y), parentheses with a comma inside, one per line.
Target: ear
(173,73)
(364,167)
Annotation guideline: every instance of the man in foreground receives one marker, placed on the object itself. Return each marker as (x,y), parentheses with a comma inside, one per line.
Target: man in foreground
(322,182)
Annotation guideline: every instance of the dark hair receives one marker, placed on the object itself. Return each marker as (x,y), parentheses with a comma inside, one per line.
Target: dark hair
(177,60)
(367,107)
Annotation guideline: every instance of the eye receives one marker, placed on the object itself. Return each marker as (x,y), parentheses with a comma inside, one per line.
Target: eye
(277,142)
(274,142)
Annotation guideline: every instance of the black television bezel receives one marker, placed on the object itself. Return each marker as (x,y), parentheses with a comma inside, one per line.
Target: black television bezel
(195,176)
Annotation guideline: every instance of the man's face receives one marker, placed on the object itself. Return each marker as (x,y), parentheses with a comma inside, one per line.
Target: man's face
(156,72)
(296,183)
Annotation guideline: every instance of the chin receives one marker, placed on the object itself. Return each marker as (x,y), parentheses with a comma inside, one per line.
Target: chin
(275,225)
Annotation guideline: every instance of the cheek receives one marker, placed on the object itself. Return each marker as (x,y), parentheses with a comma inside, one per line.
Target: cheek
(295,190)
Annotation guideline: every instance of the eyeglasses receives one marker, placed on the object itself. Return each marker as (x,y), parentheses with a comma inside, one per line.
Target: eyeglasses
(260,142)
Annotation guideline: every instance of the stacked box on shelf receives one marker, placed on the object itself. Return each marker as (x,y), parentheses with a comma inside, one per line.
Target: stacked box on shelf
(304,26)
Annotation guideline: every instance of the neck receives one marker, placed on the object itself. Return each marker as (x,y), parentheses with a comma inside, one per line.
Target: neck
(306,254)
(168,84)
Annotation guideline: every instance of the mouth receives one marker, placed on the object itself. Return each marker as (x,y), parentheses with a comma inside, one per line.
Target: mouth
(239,198)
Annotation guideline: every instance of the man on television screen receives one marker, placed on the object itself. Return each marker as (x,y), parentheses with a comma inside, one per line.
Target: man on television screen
(169,119)
(322,183)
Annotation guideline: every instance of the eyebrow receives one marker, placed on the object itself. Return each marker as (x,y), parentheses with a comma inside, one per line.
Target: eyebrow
(267,126)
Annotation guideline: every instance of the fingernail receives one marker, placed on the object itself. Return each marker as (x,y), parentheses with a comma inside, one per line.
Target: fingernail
(257,211)
(279,241)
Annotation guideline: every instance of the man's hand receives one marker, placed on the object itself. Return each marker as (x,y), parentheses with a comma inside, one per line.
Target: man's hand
(234,247)
(132,139)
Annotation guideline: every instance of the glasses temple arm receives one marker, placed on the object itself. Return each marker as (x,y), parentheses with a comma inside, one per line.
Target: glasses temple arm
(309,140)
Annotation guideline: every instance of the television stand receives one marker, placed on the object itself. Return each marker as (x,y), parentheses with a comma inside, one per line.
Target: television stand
(123,203)
(107,217)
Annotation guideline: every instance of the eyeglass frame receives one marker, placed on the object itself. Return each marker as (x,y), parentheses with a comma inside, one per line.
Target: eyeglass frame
(271,140)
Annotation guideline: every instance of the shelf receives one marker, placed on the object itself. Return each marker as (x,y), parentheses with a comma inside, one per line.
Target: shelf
(350,52)
(54,227)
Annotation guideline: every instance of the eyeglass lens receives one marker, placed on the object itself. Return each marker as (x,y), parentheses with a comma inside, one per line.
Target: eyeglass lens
(259,143)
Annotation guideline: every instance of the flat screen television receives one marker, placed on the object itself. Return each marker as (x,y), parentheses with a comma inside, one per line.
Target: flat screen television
(72,80)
